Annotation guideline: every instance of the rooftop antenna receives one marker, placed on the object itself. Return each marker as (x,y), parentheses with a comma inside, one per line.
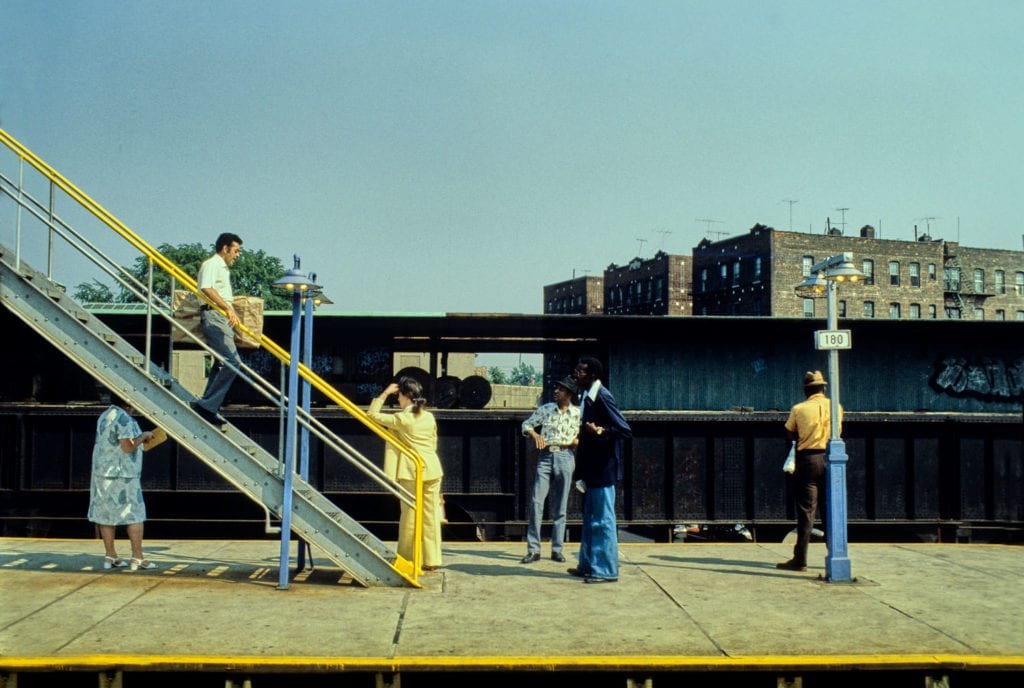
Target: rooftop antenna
(642,242)
(708,231)
(842,219)
(791,202)
(664,233)
(927,224)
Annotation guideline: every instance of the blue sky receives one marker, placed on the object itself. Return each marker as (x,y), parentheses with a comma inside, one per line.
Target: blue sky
(457,156)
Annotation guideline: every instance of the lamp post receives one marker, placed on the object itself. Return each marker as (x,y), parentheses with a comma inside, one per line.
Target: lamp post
(309,301)
(298,285)
(824,281)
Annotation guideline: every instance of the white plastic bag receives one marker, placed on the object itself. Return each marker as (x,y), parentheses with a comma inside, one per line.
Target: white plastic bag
(789,465)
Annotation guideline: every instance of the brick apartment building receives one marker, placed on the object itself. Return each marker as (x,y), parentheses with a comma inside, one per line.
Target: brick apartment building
(755,274)
(580,295)
(656,286)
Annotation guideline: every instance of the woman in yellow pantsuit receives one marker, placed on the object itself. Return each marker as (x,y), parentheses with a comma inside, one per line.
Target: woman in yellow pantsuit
(417,428)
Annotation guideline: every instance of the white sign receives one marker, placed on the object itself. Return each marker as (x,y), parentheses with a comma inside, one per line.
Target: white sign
(832,339)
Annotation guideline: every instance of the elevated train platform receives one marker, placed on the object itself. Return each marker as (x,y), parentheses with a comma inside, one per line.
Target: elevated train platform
(696,613)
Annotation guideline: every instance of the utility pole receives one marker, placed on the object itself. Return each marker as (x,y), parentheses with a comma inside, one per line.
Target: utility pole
(791,202)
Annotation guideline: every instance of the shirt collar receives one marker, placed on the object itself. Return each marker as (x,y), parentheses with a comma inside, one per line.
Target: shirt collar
(592,392)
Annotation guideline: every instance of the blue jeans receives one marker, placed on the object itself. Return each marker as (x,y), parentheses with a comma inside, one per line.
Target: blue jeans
(599,542)
(554,475)
(221,338)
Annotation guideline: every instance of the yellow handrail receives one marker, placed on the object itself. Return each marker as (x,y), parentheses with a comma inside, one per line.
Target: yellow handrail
(266,342)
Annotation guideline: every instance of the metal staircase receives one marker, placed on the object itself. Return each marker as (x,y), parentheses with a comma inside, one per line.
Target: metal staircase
(158,396)
(44,305)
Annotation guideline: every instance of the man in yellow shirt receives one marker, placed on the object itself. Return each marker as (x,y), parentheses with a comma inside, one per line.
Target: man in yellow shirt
(809,425)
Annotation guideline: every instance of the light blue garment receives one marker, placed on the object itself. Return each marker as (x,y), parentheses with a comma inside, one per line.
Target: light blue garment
(554,475)
(115,490)
(599,543)
(221,338)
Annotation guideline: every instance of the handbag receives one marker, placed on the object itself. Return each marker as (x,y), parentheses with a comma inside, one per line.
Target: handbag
(789,465)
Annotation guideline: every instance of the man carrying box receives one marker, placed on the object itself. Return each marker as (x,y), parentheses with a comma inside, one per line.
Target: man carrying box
(214,281)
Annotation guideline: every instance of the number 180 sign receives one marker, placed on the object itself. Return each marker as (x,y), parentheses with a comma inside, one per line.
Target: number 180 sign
(832,339)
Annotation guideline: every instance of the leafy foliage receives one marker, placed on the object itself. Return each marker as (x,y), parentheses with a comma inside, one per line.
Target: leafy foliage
(497,376)
(93,292)
(524,374)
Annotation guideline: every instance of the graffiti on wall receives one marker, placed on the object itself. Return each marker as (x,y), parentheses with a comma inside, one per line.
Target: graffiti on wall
(986,377)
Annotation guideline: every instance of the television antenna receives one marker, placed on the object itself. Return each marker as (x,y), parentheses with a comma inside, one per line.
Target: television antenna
(642,242)
(927,223)
(664,233)
(791,202)
(708,232)
(842,219)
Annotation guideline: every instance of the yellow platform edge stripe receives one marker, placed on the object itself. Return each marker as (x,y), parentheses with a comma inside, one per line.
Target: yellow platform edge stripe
(331,664)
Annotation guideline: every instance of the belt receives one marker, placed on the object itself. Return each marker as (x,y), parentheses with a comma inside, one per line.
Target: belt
(559,447)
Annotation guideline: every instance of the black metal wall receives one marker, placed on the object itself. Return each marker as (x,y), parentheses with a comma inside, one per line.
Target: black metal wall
(925,471)
(933,424)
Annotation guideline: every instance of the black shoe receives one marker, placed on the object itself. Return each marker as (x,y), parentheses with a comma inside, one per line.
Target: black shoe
(530,558)
(577,573)
(791,565)
(209,416)
(595,579)
(558,556)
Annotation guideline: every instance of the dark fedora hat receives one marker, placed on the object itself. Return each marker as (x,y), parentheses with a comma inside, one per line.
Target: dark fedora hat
(568,383)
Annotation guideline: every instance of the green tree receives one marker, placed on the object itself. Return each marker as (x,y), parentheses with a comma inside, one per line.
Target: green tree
(253,273)
(523,374)
(93,292)
(496,376)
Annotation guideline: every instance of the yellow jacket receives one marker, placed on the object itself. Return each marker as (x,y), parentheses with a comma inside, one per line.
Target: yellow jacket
(419,431)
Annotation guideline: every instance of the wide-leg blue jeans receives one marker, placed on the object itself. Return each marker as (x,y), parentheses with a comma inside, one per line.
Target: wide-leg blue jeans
(599,542)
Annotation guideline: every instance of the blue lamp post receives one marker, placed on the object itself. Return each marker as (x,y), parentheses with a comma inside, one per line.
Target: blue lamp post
(299,286)
(309,300)
(823,281)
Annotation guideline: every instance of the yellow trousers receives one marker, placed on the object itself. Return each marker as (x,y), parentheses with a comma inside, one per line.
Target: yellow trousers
(431,523)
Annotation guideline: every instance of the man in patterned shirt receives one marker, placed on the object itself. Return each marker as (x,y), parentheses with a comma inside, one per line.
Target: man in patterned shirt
(559,424)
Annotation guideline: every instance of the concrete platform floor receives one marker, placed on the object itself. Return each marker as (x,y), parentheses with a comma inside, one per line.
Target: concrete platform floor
(213,606)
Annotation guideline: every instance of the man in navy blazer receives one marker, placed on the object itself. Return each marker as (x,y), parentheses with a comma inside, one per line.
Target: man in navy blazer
(599,464)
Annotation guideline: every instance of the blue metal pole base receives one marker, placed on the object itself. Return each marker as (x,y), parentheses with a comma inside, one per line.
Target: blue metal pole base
(837,561)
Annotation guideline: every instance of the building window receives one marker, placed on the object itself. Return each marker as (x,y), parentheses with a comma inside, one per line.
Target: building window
(841,309)
(894,273)
(894,311)
(915,311)
(808,308)
(951,278)
(1000,314)
(808,262)
(952,313)
(725,273)
(1020,315)
(979,313)
(933,312)
(979,281)
(1000,282)
(757,268)
(915,274)
(1019,283)
(736,273)
(931,272)
(869,309)
(868,268)
(704,280)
